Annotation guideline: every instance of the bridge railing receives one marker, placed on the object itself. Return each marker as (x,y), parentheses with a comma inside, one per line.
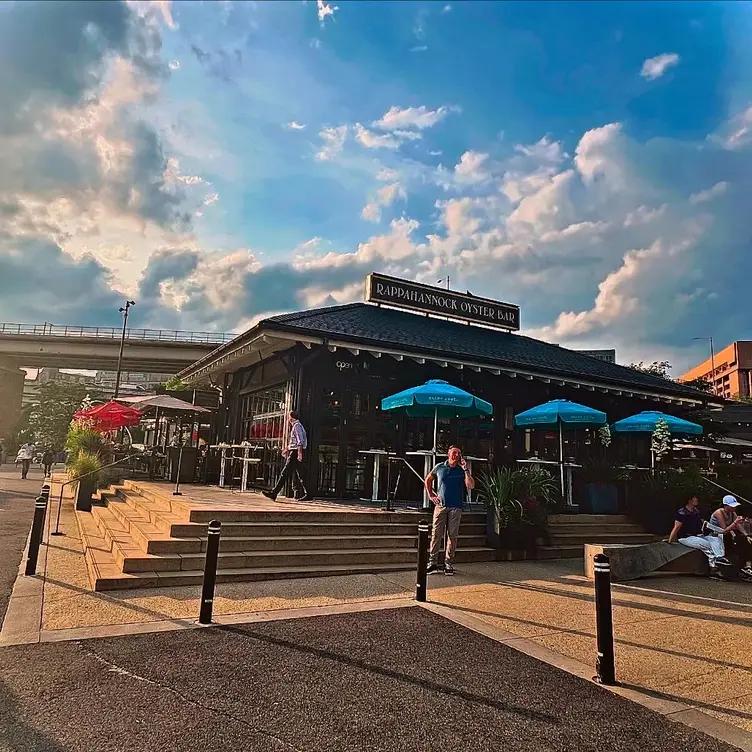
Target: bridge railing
(111,332)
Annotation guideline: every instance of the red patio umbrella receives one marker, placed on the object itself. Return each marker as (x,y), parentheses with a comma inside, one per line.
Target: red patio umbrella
(110,416)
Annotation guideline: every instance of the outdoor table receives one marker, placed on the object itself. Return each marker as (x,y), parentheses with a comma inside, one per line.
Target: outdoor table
(377,455)
(568,466)
(232,457)
(429,460)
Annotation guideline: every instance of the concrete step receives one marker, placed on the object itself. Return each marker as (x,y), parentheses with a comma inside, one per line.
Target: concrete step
(104,578)
(344,529)
(584,519)
(560,552)
(139,562)
(313,542)
(352,516)
(595,527)
(558,539)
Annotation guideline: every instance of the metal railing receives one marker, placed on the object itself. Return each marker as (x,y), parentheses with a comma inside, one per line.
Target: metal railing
(111,332)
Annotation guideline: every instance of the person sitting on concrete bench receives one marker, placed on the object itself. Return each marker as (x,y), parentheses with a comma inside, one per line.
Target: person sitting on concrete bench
(725,523)
(687,530)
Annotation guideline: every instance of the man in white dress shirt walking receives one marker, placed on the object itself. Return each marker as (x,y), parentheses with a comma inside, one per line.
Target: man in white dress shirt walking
(297,443)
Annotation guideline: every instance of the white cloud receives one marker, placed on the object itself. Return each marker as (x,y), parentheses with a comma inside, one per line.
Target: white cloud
(471,168)
(419,48)
(714,191)
(544,150)
(385,196)
(325,10)
(294,125)
(404,118)
(655,67)
(737,132)
(643,215)
(333,139)
(447,8)
(174,65)
(387,174)
(212,198)
(372,140)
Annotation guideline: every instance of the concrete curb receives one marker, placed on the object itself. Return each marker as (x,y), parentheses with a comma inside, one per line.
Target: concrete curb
(22,617)
(669,709)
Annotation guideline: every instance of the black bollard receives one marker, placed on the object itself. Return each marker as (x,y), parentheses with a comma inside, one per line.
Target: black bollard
(210,573)
(423,536)
(45,492)
(604,623)
(37,526)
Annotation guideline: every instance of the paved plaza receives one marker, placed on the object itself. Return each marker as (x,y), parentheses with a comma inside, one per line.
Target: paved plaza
(681,641)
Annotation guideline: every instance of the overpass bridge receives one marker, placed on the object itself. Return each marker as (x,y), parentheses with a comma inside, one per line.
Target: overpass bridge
(92,348)
(96,348)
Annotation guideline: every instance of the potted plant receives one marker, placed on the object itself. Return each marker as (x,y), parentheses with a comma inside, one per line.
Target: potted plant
(85,469)
(517,502)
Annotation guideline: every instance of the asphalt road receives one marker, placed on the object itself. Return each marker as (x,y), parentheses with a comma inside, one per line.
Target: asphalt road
(395,680)
(16,512)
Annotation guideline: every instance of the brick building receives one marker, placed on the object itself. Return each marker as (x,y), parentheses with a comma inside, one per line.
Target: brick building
(729,372)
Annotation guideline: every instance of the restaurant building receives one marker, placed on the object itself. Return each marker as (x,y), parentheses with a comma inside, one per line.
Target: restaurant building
(335,364)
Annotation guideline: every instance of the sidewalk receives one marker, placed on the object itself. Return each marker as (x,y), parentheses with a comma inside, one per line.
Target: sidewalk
(684,639)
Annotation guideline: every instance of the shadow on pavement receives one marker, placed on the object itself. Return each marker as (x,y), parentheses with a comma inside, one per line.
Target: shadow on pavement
(391,674)
(15,734)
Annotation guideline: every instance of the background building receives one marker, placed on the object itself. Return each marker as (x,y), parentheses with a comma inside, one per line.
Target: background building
(729,372)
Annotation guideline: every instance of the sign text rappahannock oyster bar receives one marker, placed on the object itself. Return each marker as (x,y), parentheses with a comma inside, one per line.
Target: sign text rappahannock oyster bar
(334,366)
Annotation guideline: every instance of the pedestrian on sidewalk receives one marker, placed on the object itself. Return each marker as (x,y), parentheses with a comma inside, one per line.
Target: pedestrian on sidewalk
(48,457)
(24,456)
(453,481)
(296,445)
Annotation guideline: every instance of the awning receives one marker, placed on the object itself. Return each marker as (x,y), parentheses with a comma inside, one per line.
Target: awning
(697,447)
(730,441)
(163,402)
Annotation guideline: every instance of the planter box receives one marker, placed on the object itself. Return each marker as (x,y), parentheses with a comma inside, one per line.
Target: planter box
(514,543)
(602,498)
(85,490)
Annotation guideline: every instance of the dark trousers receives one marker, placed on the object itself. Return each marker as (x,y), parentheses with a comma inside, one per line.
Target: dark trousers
(25,464)
(294,471)
(738,549)
(47,467)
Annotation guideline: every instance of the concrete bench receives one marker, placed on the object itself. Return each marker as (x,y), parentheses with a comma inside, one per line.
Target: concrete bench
(629,562)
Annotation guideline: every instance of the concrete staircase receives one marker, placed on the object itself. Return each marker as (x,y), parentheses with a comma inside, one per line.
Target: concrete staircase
(570,532)
(134,537)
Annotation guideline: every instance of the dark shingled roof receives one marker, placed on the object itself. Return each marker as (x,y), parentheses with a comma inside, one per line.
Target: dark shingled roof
(364,323)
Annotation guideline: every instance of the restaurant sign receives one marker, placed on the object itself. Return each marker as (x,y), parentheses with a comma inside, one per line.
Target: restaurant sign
(427,299)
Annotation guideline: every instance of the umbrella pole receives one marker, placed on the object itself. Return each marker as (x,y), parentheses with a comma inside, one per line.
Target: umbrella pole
(561,463)
(435,429)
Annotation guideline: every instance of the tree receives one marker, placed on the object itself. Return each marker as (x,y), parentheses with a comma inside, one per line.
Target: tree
(660,368)
(175,384)
(660,442)
(47,422)
(700,383)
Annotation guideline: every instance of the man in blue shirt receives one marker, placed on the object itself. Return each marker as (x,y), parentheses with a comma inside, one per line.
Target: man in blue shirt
(453,480)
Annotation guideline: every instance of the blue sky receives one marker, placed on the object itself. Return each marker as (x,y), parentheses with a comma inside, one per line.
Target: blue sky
(225,161)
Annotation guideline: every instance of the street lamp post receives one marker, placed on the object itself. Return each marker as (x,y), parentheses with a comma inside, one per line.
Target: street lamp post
(124,311)
(712,361)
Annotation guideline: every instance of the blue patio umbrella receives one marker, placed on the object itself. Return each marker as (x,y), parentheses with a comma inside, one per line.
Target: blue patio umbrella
(558,413)
(646,421)
(437,398)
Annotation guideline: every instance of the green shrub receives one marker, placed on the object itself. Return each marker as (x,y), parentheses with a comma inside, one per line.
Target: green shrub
(82,438)
(85,464)
(519,496)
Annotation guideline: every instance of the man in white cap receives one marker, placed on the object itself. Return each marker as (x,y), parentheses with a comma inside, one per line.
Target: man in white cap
(726,523)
